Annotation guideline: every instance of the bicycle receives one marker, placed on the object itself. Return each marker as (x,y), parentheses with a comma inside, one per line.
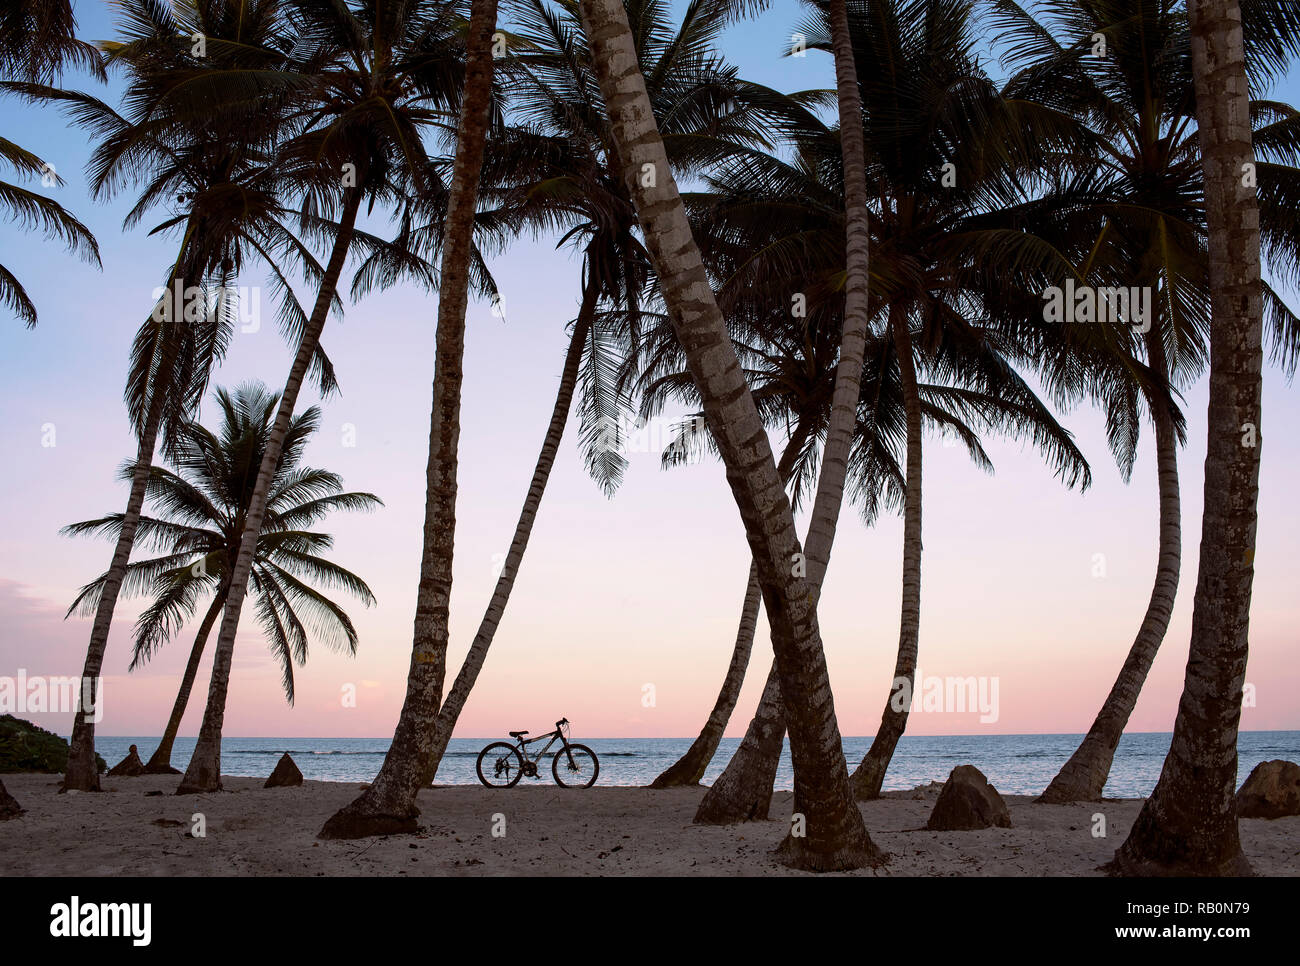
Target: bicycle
(574,766)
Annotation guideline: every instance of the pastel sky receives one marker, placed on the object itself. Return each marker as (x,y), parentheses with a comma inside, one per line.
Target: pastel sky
(614,595)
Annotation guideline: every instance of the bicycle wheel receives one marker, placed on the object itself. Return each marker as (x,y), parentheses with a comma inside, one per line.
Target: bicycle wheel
(499,765)
(576,768)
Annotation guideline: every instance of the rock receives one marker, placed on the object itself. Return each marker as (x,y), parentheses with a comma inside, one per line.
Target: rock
(968,801)
(9,807)
(25,747)
(1272,790)
(129,767)
(286,774)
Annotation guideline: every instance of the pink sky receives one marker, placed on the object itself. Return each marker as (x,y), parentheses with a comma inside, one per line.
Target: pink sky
(614,595)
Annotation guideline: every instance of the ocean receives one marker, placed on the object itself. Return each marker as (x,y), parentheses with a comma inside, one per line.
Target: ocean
(1015,764)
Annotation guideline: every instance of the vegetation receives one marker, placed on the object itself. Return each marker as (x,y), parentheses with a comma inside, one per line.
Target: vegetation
(819,277)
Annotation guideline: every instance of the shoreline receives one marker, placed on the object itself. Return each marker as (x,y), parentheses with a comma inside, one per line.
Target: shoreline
(607,830)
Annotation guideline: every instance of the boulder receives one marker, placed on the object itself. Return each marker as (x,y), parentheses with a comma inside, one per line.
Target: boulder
(286,774)
(9,808)
(25,747)
(129,767)
(968,801)
(1272,790)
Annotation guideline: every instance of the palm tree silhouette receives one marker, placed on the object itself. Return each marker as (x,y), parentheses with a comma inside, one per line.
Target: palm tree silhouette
(202,506)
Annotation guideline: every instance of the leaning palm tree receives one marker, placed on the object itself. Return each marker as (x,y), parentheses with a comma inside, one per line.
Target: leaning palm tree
(372,78)
(1138,210)
(180,141)
(928,112)
(1189,824)
(389,803)
(202,505)
(555,171)
(836,837)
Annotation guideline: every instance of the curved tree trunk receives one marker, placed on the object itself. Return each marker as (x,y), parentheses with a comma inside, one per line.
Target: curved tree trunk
(160,762)
(870,775)
(82,774)
(1189,824)
(388,805)
(451,708)
(203,774)
(1083,777)
(737,795)
(836,837)
(743,792)
(690,768)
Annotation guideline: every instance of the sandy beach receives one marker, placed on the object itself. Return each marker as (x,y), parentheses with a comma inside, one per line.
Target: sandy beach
(548,831)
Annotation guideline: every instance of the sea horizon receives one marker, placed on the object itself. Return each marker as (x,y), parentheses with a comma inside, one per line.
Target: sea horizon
(1015,764)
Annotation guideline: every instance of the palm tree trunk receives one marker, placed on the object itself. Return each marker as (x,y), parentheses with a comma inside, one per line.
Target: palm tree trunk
(82,774)
(203,774)
(739,794)
(1189,824)
(690,768)
(743,792)
(1083,777)
(451,708)
(870,775)
(160,762)
(388,805)
(836,837)
(857,315)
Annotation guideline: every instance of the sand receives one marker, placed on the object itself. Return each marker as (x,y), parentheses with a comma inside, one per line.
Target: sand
(548,831)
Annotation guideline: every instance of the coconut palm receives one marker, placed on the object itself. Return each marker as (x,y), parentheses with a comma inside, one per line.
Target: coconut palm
(181,141)
(37,40)
(374,78)
(29,209)
(202,505)
(389,803)
(1138,210)
(555,171)
(836,836)
(929,112)
(790,366)
(1189,824)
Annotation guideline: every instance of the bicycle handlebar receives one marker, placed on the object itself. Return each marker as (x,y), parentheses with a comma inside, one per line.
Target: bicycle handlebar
(562,722)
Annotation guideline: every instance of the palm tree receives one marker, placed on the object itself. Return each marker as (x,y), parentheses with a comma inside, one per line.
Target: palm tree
(556,170)
(389,803)
(202,506)
(826,506)
(1189,824)
(373,77)
(32,210)
(836,837)
(928,111)
(207,152)
(1139,209)
(37,39)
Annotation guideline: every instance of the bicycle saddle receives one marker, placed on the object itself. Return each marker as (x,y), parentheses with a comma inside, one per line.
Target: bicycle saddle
(518,734)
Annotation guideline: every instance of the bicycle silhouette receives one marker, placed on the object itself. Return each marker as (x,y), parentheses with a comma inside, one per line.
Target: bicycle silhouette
(501,764)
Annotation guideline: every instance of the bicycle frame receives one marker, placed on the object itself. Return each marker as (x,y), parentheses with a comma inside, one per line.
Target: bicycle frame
(525,742)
